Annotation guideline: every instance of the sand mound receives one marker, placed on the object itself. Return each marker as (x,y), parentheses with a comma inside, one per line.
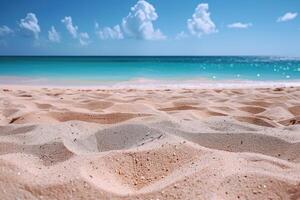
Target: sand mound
(10,130)
(110,118)
(9,112)
(182,107)
(132,171)
(50,153)
(248,142)
(203,114)
(53,117)
(253,186)
(256,121)
(263,104)
(295,110)
(126,136)
(33,118)
(277,113)
(95,105)
(252,109)
(43,106)
(136,108)
(290,122)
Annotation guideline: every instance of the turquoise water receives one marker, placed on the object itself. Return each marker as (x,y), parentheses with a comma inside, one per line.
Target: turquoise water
(101,69)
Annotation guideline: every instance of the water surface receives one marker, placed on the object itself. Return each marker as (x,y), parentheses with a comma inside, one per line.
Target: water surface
(96,70)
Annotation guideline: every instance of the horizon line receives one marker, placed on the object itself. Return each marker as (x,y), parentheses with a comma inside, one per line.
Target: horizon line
(217,55)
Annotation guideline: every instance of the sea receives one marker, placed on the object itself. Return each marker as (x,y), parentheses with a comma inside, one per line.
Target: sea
(140,71)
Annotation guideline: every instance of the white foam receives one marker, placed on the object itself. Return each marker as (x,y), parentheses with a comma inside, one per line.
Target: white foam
(142,83)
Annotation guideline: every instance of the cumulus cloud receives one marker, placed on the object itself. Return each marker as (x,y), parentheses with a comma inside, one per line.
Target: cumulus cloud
(30,25)
(109,33)
(139,22)
(287,17)
(73,30)
(67,21)
(201,23)
(5,30)
(240,25)
(53,35)
(84,38)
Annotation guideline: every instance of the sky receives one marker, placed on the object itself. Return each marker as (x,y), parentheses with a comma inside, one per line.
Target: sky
(150,27)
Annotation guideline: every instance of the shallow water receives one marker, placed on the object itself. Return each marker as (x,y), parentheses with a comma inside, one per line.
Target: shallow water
(118,69)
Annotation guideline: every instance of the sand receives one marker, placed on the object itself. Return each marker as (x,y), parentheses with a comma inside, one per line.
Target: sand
(149,144)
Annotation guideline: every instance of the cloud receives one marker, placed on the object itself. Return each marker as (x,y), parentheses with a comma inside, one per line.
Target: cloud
(53,35)
(181,35)
(70,27)
(73,30)
(84,38)
(239,25)
(287,17)
(139,22)
(109,33)
(5,30)
(201,23)
(30,25)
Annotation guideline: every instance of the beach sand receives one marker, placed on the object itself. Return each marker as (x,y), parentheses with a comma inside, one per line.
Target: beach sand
(149,144)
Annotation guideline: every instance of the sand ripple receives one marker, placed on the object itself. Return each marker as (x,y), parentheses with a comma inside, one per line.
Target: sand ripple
(150,144)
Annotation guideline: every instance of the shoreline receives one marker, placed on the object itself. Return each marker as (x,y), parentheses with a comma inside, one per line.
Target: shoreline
(147,84)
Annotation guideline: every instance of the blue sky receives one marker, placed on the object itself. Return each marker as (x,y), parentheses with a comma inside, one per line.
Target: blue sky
(152,27)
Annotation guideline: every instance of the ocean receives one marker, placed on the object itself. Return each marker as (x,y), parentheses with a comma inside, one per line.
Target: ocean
(85,70)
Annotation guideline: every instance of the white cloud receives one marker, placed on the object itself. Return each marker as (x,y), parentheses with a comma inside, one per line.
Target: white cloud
(109,33)
(84,38)
(240,25)
(181,35)
(30,25)
(73,30)
(287,17)
(53,35)
(201,23)
(139,22)
(5,30)
(70,27)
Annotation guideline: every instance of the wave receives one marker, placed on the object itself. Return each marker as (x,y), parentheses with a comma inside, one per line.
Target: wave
(144,83)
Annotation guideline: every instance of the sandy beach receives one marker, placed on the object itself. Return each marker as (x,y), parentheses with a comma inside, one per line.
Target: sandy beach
(149,144)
